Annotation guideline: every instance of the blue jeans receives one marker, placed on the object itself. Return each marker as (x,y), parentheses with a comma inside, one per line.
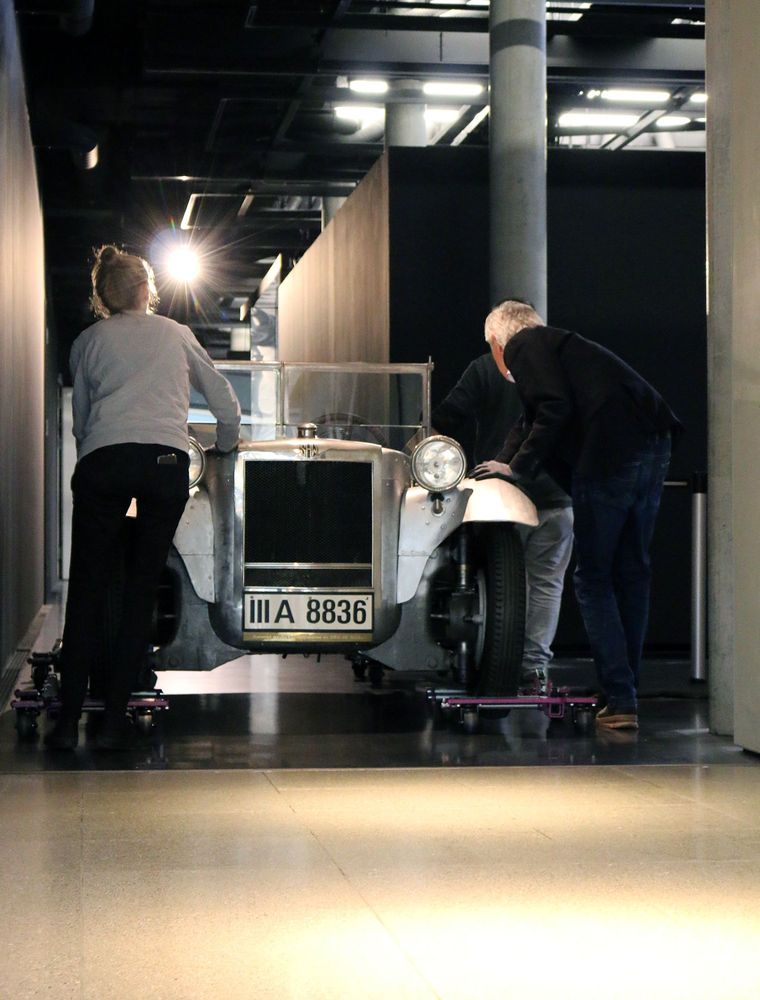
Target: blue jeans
(547,547)
(614,524)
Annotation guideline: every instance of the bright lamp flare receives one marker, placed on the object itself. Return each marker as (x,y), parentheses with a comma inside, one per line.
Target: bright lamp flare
(183,264)
(438,464)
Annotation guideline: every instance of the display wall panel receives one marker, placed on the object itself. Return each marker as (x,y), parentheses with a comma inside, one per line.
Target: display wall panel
(334,304)
(627,267)
(438,201)
(22,345)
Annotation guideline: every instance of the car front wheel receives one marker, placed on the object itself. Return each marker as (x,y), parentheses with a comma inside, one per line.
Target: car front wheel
(479,608)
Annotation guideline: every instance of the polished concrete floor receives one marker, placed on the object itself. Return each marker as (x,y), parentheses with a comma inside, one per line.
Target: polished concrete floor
(448,883)
(291,833)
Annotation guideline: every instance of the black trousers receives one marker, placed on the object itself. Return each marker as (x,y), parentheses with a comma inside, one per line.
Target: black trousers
(104,483)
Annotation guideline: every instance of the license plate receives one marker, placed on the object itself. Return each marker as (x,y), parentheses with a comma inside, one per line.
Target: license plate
(307,612)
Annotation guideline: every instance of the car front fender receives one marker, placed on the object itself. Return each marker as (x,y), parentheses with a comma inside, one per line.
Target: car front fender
(498,500)
(422,529)
(194,542)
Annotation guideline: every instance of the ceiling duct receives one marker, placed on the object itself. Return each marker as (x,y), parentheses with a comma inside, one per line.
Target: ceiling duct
(60,133)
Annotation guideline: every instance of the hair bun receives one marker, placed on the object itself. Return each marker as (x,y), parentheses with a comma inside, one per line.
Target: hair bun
(106,254)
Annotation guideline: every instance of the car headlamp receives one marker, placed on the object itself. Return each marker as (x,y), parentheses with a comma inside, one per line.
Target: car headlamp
(197,462)
(438,463)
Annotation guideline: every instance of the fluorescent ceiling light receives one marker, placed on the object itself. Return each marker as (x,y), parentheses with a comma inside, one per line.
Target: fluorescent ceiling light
(468,3)
(369,86)
(686,20)
(476,6)
(362,113)
(441,115)
(698,99)
(596,119)
(185,224)
(673,121)
(565,16)
(453,89)
(645,97)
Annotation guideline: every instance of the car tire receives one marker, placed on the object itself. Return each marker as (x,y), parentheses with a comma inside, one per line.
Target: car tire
(499,557)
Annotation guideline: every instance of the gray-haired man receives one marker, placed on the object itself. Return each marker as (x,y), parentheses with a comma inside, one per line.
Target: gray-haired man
(603,431)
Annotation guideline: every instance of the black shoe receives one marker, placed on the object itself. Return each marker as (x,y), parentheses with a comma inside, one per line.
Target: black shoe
(532,681)
(63,736)
(93,724)
(120,734)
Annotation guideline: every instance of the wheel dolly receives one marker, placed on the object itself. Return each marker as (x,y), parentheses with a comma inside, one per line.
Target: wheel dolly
(555,703)
(43,696)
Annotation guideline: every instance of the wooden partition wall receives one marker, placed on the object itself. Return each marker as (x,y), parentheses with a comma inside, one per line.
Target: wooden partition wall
(334,305)
(22,356)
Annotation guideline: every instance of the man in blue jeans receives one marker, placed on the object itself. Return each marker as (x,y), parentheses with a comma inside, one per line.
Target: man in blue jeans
(604,433)
(483,397)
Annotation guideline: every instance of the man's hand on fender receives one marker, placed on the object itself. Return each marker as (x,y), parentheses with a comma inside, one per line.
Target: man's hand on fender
(487,470)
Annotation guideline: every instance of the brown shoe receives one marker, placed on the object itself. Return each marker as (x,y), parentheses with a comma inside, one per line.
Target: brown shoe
(611,718)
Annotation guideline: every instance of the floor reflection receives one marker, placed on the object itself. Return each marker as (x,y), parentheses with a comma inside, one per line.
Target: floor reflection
(371,730)
(306,712)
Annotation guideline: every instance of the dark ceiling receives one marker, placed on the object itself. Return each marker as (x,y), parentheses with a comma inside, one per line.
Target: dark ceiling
(222,114)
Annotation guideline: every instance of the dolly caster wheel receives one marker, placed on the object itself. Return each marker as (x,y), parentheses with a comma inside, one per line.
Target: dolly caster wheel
(583,720)
(434,710)
(470,720)
(26,725)
(40,674)
(376,672)
(144,722)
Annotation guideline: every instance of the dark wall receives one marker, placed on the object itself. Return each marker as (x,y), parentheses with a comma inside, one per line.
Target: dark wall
(22,342)
(438,209)
(626,267)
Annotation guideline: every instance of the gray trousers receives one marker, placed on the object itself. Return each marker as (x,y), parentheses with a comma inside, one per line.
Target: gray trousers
(548,548)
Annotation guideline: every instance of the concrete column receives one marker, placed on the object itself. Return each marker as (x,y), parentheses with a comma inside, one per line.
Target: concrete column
(405,119)
(518,150)
(330,205)
(733,153)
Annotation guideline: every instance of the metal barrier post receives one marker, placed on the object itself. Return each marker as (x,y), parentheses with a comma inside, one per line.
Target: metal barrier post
(698,575)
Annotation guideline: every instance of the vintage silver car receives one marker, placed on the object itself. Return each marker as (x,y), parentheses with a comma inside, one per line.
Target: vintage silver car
(342,525)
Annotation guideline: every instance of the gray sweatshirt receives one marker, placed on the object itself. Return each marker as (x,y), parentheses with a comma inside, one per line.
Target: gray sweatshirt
(132,374)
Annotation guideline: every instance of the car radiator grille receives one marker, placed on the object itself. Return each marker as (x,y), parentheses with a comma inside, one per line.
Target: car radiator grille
(308,512)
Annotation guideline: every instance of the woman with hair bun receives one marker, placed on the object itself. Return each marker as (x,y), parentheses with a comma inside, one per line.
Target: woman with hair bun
(132,374)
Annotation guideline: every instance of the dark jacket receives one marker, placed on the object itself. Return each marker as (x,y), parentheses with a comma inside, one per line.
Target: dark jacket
(585,410)
(484,397)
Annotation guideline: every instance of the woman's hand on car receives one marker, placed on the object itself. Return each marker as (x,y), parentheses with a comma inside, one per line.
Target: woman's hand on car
(214,450)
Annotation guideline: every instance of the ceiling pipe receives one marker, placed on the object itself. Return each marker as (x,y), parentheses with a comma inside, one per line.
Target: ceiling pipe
(60,133)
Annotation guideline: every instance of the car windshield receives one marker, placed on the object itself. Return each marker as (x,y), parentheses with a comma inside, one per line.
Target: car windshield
(381,404)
